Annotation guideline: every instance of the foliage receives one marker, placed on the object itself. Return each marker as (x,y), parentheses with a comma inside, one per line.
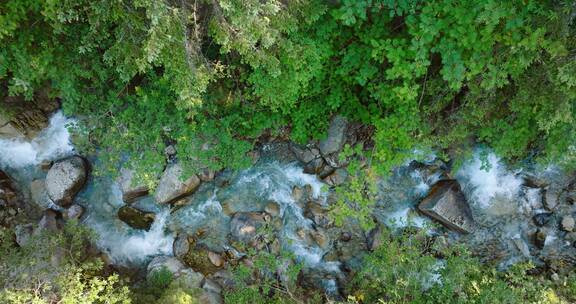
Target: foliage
(410,270)
(53,267)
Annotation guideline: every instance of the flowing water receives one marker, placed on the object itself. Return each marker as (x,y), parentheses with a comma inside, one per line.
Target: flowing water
(500,203)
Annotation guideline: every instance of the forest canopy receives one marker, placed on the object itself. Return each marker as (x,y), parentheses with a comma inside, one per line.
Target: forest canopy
(214,76)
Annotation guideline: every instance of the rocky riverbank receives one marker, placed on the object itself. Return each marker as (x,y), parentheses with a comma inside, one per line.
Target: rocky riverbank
(200,226)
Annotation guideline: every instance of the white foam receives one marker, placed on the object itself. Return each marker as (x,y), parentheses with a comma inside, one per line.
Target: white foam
(135,247)
(482,185)
(50,144)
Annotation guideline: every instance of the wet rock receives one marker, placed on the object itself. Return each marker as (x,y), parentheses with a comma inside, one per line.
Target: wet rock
(567,223)
(181,245)
(318,214)
(65,179)
(215,259)
(446,204)
(199,259)
(336,136)
(316,166)
(23,234)
(172,187)
(522,246)
(130,189)
(136,218)
(533,181)
(244,225)
(337,178)
(540,238)
(272,208)
(542,219)
(320,238)
(326,171)
(551,198)
(297,193)
(74,212)
(305,154)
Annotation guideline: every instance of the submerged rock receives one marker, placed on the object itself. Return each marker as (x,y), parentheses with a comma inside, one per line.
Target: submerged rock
(136,218)
(65,179)
(172,186)
(447,204)
(542,219)
(244,225)
(336,136)
(131,190)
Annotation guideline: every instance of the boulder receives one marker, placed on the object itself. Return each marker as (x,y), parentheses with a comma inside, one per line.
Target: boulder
(447,204)
(130,189)
(272,208)
(305,154)
(23,233)
(567,223)
(338,177)
(336,136)
(65,179)
(244,225)
(181,245)
(172,186)
(136,218)
(74,212)
(550,197)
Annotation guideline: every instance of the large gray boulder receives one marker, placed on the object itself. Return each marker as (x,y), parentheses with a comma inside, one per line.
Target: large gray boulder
(65,179)
(172,186)
(447,204)
(336,136)
(130,189)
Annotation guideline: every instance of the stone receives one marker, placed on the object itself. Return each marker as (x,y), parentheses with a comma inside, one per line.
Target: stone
(375,238)
(316,166)
(297,193)
(23,233)
(321,239)
(338,177)
(189,279)
(130,189)
(181,245)
(318,214)
(207,175)
(336,136)
(447,204)
(65,179)
(272,208)
(172,187)
(215,259)
(172,264)
(305,154)
(542,219)
(74,212)
(212,286)
(522,246)
(244,225)
(540,238)
(170,151)
(551,198)
(49,221)
(567,223)
(136,218)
